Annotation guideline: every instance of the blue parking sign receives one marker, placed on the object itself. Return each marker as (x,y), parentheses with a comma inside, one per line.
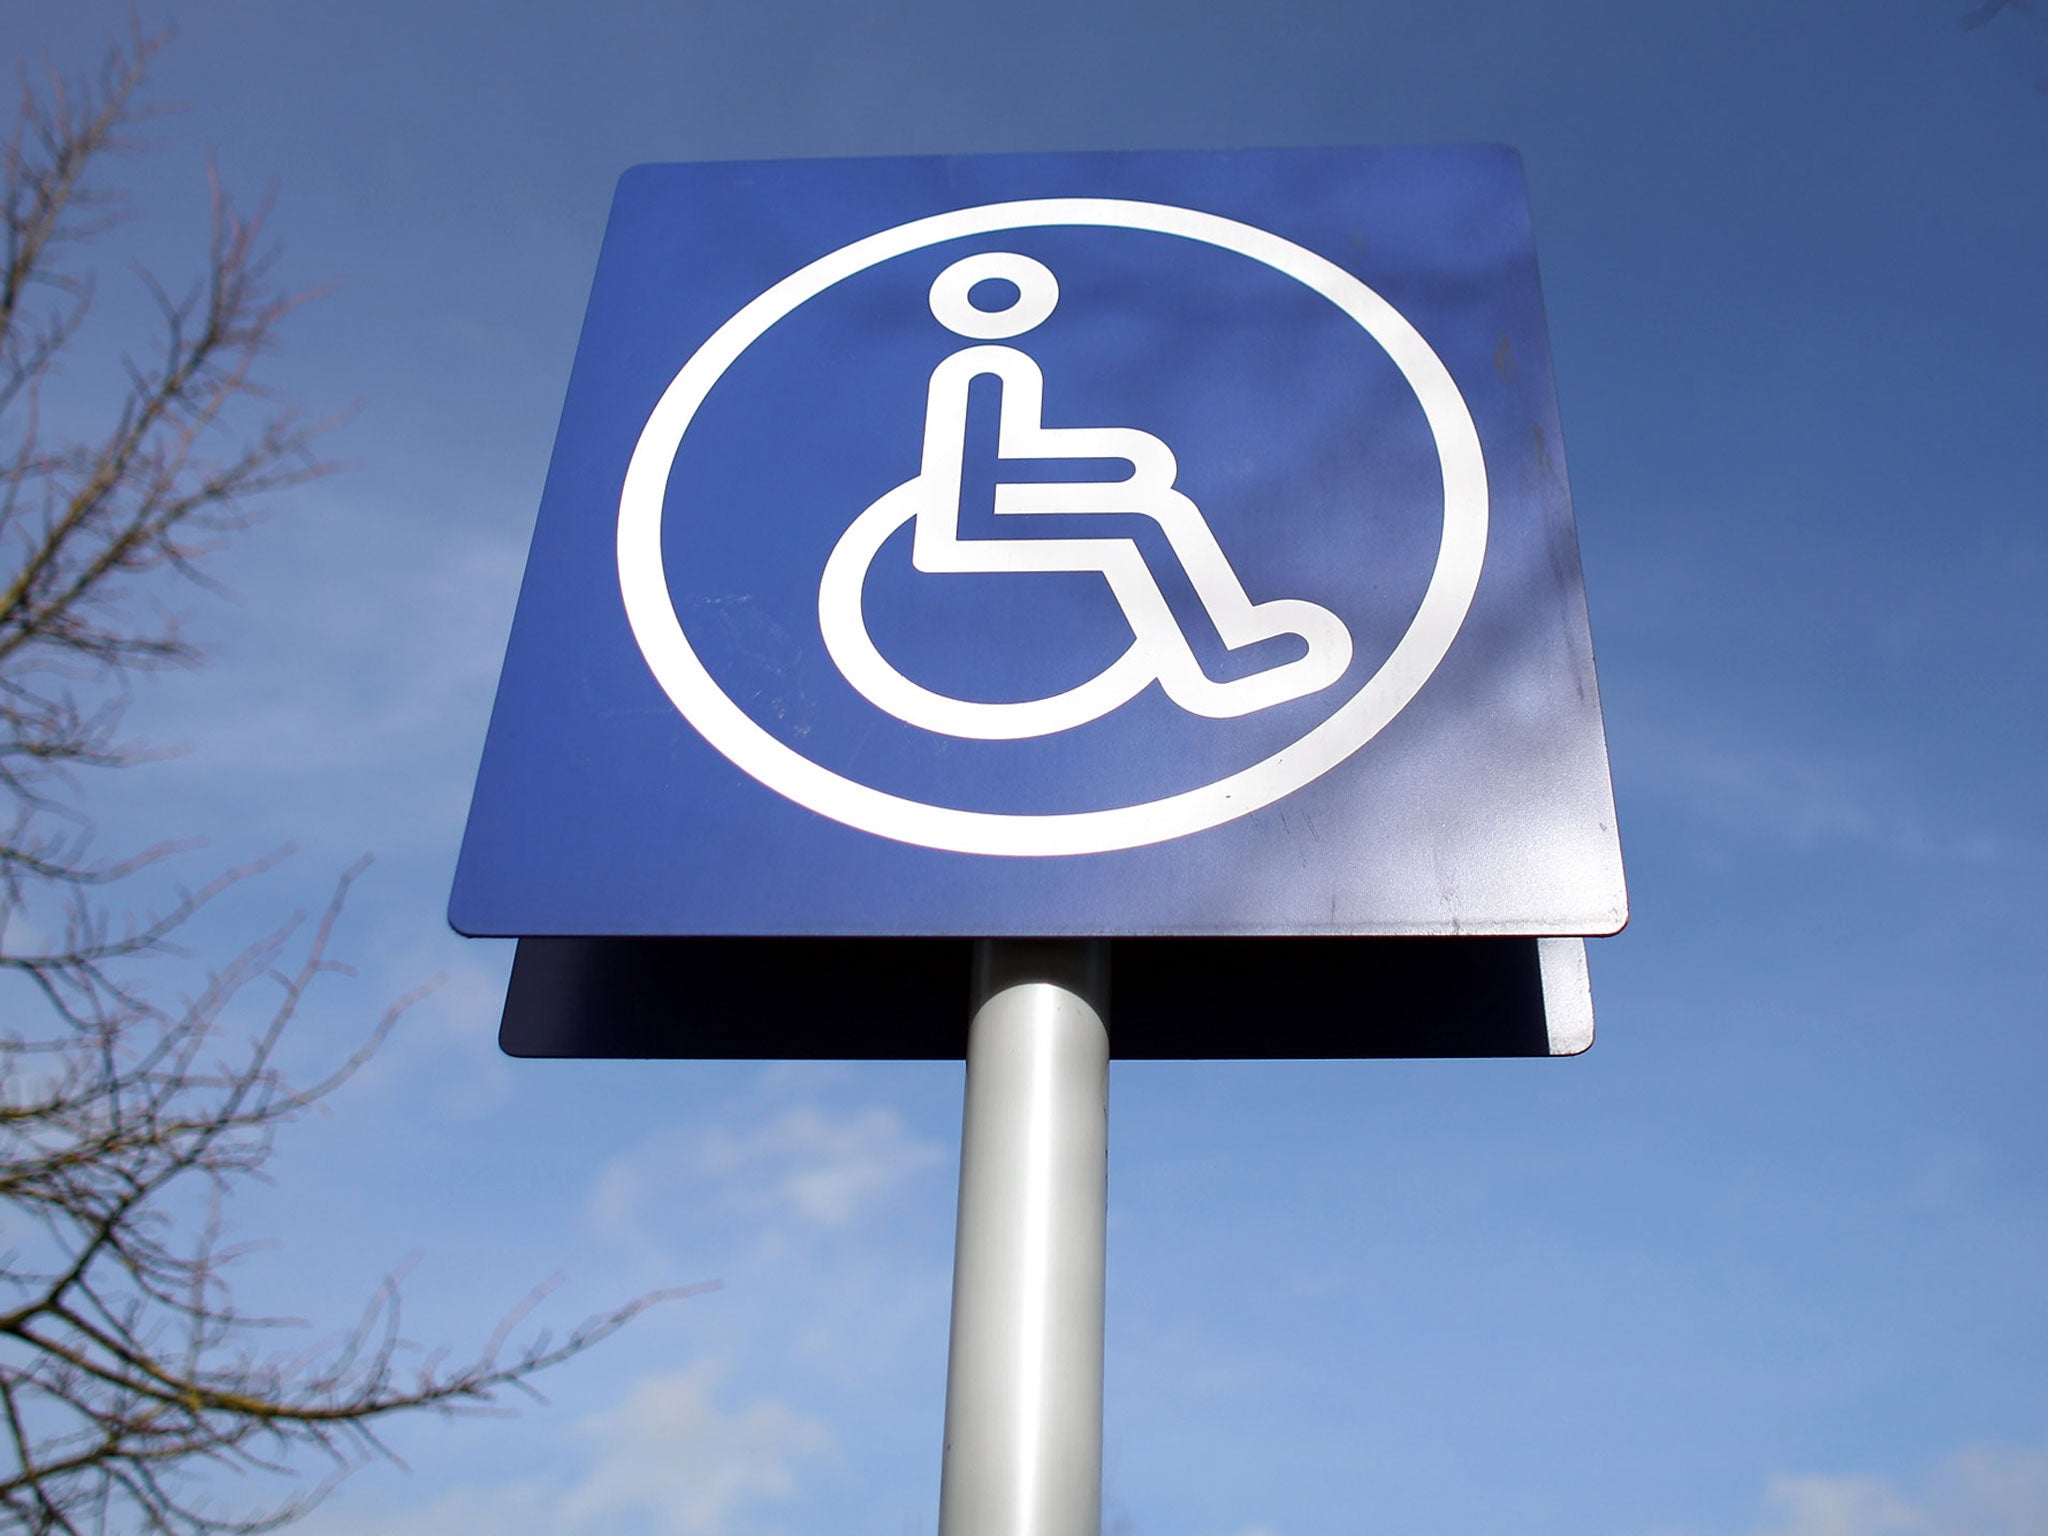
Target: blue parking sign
(1119,544)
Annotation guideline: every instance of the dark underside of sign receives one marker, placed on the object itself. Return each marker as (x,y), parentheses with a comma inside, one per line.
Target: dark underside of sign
(909,999)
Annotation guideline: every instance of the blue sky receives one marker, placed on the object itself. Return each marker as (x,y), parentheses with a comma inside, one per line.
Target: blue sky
(1766,1262)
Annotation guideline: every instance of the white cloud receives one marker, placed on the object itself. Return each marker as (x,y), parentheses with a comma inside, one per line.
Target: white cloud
(671,1456)
(803,1167)
(1985,1491)
(350,694)
(822,1170)
(509,1509)
(671,1460)
(2001,1489)
(1727,775)
(1837,1506)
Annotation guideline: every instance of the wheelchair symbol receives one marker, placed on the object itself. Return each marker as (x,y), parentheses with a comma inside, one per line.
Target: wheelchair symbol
(1159,649)
(930,500)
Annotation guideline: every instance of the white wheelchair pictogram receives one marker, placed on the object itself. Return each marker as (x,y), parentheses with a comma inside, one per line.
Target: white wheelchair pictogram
(1159,649)
(1119,818)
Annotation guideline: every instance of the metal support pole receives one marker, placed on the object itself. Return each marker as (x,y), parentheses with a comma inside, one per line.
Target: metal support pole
(1023,1450)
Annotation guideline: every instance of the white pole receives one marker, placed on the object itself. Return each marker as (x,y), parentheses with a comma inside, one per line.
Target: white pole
(1023,1452)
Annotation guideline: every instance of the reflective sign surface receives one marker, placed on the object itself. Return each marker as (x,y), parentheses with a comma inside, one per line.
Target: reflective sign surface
(1162,543)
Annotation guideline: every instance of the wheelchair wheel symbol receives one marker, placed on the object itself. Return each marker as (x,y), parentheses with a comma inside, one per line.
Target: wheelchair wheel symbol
(1159,650)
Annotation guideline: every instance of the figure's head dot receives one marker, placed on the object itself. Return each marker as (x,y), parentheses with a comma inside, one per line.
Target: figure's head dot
(1037,291)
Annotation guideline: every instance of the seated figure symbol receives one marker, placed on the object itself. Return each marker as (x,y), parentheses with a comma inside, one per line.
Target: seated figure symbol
(1158,650)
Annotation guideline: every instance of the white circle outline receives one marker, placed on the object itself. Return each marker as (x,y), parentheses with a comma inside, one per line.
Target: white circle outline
(1038,294)
(643,583)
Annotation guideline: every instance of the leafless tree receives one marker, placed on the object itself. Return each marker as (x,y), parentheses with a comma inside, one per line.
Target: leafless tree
(129,1379)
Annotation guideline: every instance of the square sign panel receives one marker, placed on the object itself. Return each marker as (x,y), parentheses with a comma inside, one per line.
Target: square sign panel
(1122,544)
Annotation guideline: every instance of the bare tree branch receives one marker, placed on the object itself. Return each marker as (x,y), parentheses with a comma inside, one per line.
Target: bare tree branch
(129,1377)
